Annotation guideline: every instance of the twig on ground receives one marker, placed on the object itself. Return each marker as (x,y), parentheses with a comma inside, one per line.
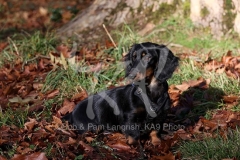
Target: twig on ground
(14,45)
(109,36)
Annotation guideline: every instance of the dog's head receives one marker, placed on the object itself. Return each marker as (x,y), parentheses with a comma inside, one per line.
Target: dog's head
(149,60)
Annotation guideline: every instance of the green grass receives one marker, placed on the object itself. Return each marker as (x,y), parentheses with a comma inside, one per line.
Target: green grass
(25,47)
(13,117)
(172,31)
(71,80)
(213,148)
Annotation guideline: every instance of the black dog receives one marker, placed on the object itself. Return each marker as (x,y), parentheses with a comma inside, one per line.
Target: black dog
(140,106)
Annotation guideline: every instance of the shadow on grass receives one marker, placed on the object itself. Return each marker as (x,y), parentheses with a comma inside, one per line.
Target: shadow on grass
(195,103)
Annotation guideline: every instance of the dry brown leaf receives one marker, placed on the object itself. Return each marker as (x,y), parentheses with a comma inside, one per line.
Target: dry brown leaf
(232,118)
(67,107)
(3,45)
(208,124)
(109,44)
(117,136)
(2,158)
(183,134)
(230,98)
(49,128)
(86,147)
(33,156)
(166,156)
(197,127)
(95,68)
(120,145)
(62,49)
(43,11)
(89,139)
(79,96)
(37,85)
(23,150)
(52,94)
(237,66)
(57,122)
(71,141)
(29,125)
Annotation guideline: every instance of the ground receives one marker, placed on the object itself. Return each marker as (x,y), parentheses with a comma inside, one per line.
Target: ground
(42,78)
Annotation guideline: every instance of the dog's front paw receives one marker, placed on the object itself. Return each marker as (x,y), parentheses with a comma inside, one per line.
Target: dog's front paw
(154,138)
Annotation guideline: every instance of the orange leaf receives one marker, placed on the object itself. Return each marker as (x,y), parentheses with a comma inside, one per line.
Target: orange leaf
(2,158)
(52,94)
(35,156)
(57,121)
(230,98)
(119,145)
(71,141)
(29,125)
(86,147)
(79,96)
(89,139)
(64,50)
(166,156)
(67,107)
(3,45)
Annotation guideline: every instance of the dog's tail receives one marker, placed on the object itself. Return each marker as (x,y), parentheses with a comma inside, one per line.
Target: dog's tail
(68,117)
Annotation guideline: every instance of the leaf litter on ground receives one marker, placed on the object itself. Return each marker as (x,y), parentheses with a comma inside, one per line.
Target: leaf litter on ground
(20,87)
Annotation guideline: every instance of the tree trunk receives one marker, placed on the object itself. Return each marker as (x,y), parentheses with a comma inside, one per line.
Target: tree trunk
(219,15)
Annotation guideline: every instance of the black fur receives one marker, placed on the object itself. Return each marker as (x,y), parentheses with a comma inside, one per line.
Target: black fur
(132,107)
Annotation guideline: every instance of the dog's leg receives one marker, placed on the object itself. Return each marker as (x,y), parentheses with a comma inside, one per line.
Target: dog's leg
(137,143)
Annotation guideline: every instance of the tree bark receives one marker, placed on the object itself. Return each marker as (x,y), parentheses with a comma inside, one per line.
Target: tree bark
(219,15)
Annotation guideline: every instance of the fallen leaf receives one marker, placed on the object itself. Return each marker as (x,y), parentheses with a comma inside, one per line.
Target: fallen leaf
(183,134)
(20,100)
(166,156)
(23,150)
(33,156)
(62,49)
(71,141)
(95,68)
(57,122)
(3,45)
(43,11)
(89,139)
(230,98)
(119,145)
(29,125)
(52,94)
(67,107)
(197,127)
(79,96)
(2,158)
(86,147)
(37,85)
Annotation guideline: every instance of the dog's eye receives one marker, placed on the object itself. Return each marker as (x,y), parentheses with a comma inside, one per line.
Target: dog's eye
(143,54)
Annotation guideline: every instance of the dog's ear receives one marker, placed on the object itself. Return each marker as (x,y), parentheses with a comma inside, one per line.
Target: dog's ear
(128,60)
(166,65)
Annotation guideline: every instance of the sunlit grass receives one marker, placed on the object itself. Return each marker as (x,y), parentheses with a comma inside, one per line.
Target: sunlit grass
(213,148)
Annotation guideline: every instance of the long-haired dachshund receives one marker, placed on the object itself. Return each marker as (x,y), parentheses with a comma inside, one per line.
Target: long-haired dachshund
(140,106)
